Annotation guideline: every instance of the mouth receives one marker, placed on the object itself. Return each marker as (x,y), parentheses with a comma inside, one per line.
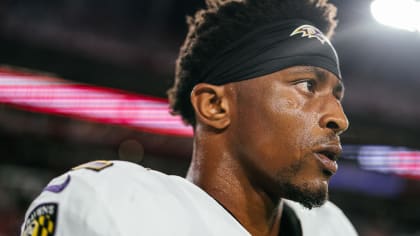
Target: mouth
(327,156)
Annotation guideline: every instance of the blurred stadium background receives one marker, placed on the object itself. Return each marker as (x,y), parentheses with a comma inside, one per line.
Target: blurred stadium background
(84,80)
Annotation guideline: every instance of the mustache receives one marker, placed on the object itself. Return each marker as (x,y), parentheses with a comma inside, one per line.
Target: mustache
(329,139)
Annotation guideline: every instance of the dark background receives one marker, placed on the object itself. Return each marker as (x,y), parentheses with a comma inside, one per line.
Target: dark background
(132,45)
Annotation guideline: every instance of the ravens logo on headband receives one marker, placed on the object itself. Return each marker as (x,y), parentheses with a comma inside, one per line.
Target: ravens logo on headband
(310,31)
(41,221)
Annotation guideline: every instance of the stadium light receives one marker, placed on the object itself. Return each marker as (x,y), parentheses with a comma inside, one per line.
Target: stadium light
(402,14)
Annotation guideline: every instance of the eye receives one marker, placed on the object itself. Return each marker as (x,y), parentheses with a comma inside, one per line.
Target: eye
(307,86)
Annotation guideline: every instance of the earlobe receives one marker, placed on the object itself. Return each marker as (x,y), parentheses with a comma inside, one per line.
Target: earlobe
(211,105)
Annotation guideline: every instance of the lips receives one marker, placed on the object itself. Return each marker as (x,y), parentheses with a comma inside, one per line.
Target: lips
(327,156)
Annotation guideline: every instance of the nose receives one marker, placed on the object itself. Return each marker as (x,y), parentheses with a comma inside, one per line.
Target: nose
(334,117)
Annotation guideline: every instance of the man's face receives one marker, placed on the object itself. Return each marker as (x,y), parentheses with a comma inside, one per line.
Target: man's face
(286,131)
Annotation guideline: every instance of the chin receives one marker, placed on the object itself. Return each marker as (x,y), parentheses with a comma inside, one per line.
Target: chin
(309,195)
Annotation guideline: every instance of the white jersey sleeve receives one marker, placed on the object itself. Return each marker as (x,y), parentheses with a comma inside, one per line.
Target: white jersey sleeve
(124,199)
(79,204)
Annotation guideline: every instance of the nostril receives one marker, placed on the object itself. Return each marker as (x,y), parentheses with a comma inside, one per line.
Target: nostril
(332,125)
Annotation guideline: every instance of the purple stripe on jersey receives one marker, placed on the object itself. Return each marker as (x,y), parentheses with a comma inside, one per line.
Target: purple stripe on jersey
(58,187)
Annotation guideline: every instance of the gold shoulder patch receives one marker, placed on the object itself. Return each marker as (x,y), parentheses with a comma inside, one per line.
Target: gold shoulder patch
(94,165)
(41,221)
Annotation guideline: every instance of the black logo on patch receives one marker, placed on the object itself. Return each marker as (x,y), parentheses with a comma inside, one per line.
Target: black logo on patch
(41,221)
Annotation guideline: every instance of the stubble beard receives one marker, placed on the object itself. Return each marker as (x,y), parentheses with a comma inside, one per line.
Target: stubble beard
(307,194)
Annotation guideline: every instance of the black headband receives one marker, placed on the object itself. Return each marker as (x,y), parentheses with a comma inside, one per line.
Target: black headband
(271,48)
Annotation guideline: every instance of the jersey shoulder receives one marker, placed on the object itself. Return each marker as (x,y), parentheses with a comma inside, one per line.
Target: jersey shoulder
(120,198)
(95,193)
(102,177)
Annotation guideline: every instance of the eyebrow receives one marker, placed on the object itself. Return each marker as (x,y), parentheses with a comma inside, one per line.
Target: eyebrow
(322,76)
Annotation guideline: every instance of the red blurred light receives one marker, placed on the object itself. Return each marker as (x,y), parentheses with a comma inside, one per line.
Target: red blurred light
(57,96)
(396,160)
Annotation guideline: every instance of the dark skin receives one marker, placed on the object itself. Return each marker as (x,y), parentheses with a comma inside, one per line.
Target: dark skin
(261,140)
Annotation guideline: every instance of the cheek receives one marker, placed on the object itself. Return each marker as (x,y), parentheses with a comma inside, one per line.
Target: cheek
(276,132)
(294,124)
(274,127)
(295,138)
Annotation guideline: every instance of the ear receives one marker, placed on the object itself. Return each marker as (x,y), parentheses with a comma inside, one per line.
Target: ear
(211,105)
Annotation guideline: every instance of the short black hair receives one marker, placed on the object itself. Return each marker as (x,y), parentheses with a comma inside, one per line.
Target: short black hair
(225,21)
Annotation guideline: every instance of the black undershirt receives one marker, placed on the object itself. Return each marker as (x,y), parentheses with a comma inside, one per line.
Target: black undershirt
(289,223)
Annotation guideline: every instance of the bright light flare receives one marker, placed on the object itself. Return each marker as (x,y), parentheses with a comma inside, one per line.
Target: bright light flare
(401,14)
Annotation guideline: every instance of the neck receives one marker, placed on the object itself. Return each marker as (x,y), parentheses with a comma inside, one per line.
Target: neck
(217,171)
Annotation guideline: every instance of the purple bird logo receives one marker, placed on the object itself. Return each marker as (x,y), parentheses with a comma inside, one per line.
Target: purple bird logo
(310,31)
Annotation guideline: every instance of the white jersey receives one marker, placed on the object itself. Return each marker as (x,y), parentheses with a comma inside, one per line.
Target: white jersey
(118,198)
